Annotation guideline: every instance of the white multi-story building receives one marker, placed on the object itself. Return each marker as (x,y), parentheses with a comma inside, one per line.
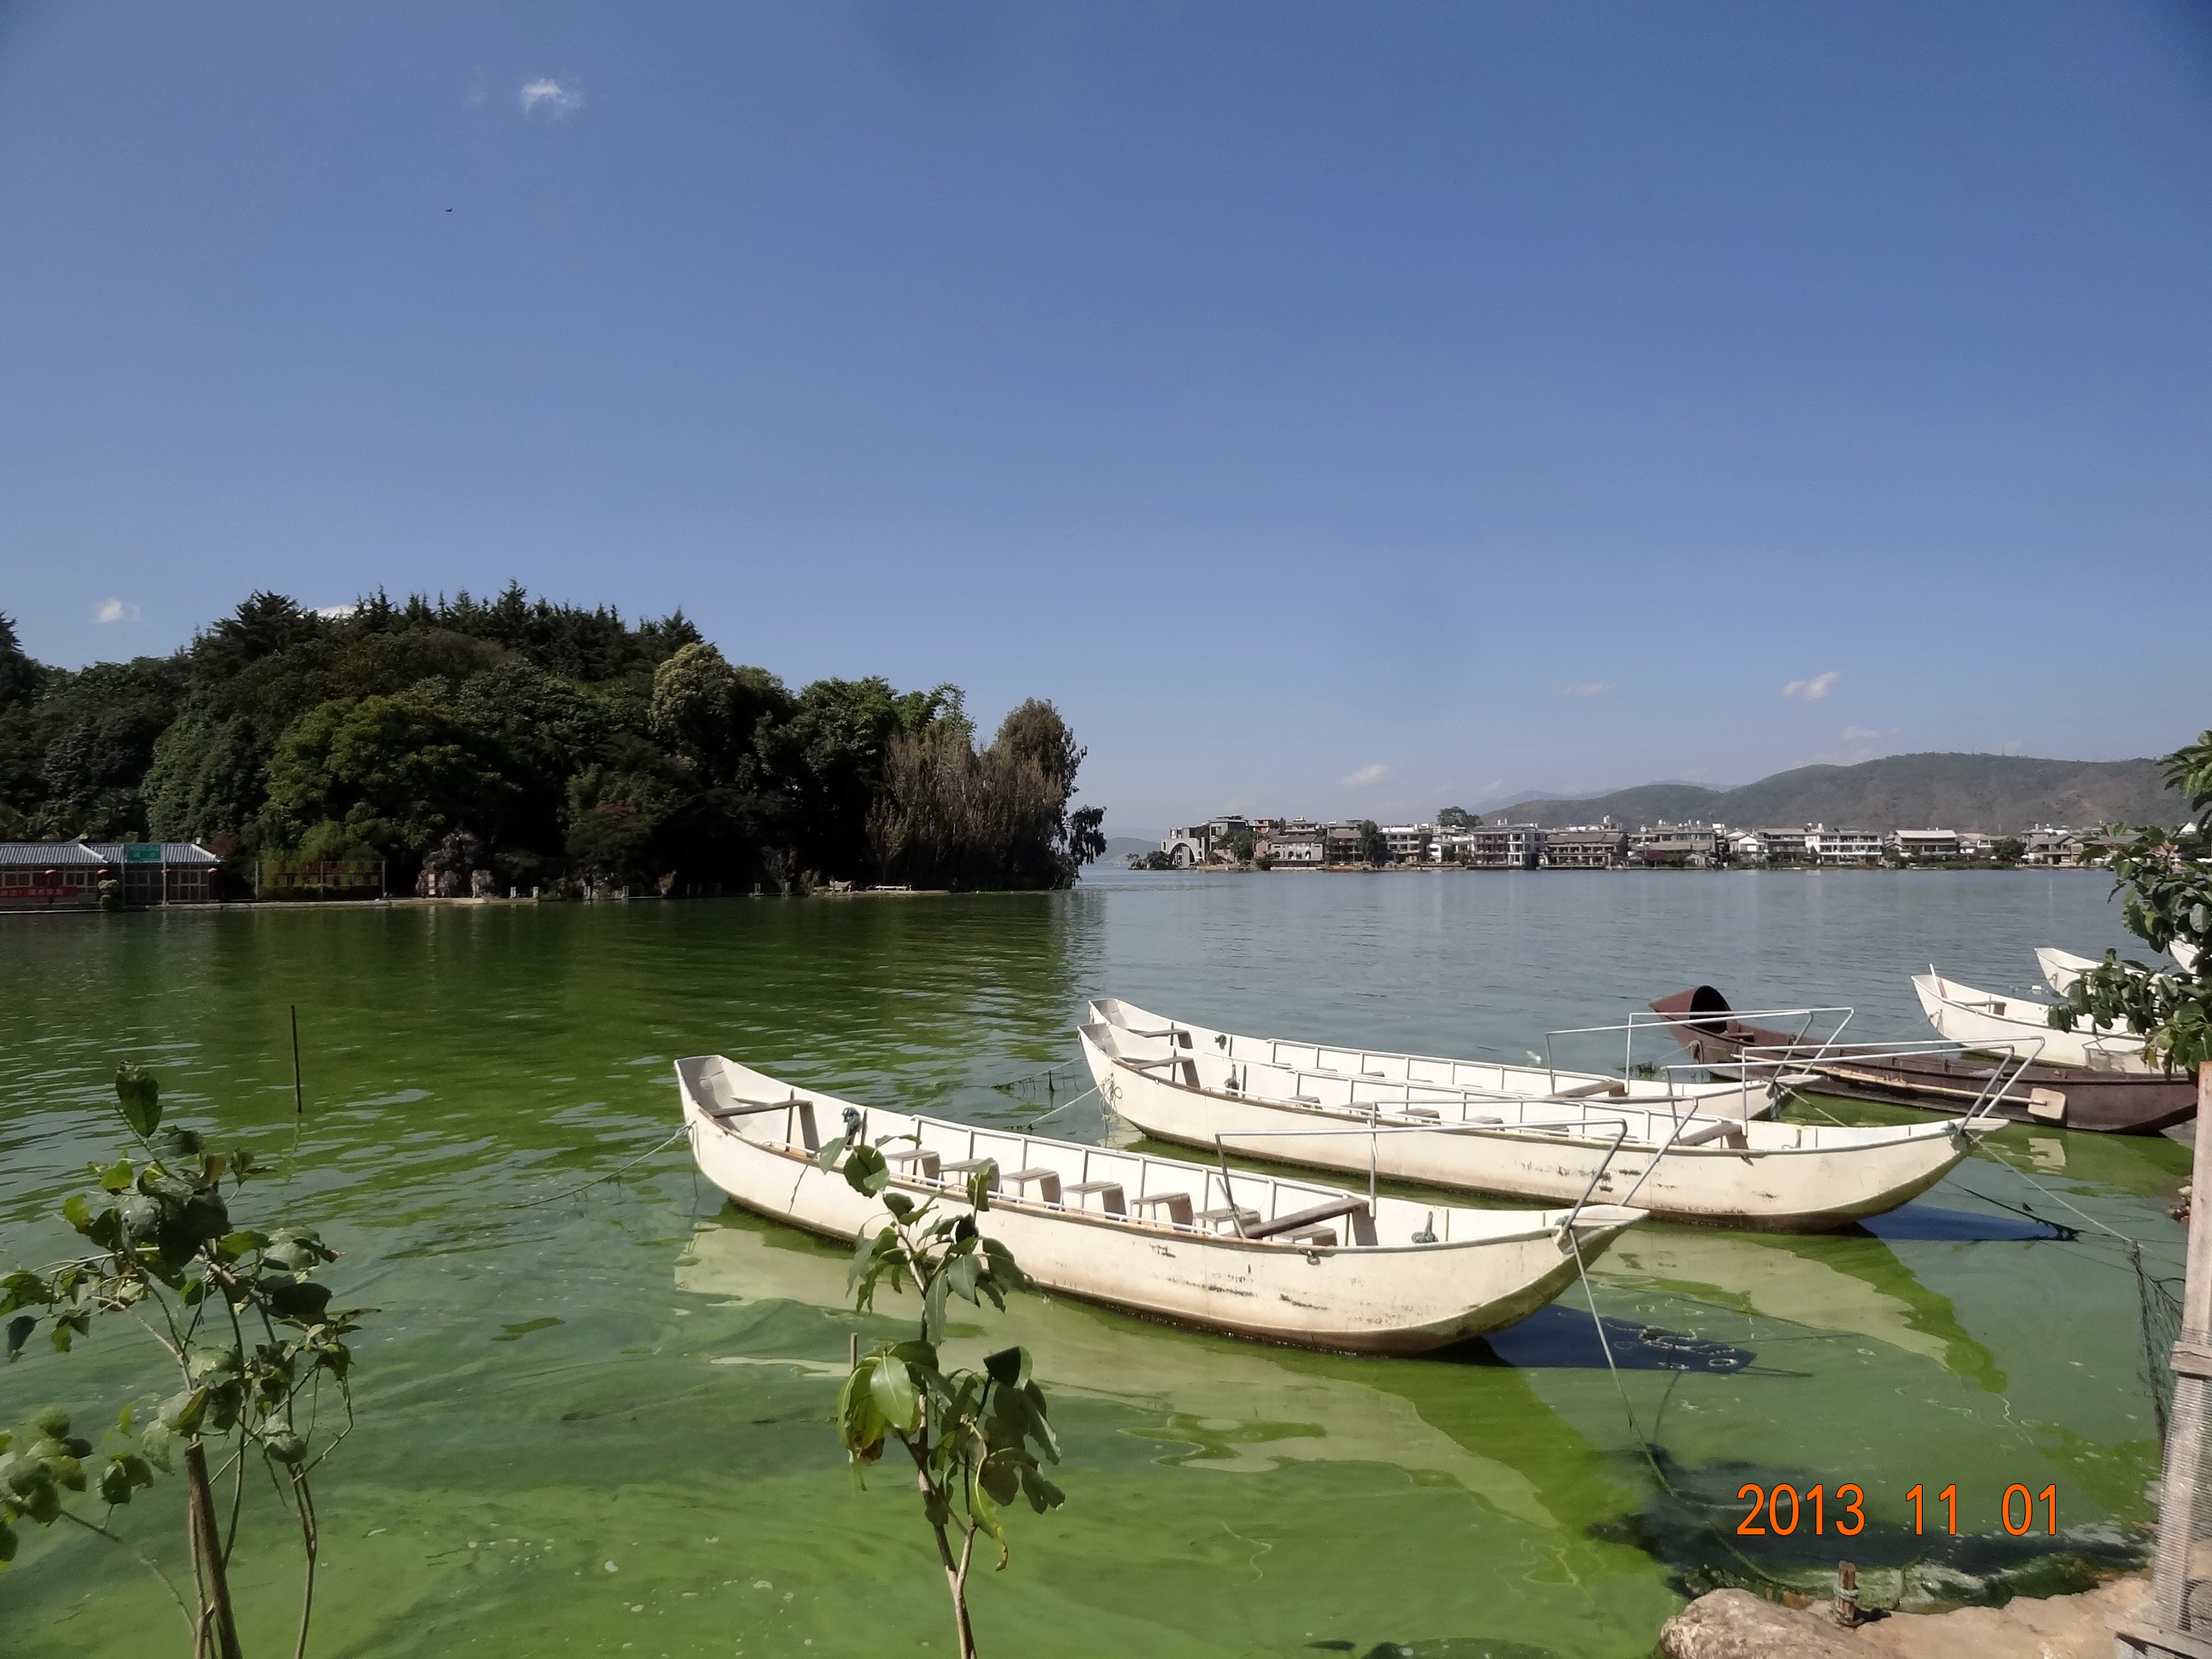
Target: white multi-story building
(1297,844)
(1409,844)
(1926,846)
(1843,846)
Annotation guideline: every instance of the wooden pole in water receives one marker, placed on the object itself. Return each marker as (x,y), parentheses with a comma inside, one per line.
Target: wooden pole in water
(2166,1610)
(299,1096)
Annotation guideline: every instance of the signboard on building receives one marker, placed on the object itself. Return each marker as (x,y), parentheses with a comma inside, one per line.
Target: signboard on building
(142,852)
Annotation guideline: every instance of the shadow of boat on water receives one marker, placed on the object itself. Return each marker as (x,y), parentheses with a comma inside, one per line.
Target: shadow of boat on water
(1213,1403)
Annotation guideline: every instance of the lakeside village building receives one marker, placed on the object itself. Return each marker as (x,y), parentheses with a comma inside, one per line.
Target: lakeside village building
(1304,844)
(66,875)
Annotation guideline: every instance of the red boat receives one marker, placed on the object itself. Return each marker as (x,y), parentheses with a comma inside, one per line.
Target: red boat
(2061,1096)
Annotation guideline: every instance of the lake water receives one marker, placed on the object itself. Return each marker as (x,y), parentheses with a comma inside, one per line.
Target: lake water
(594,1421)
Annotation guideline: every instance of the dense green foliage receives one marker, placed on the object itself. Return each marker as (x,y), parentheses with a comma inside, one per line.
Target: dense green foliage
(473,744)
(2167,875)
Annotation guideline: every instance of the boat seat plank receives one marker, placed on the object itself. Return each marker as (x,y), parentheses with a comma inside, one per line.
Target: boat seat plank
(1319,1238)
(1177,1206)
(1300,1219)
(969,1165)
(1048,1182)
(750,1108)
(1585,1090)
(1215,1218)
(1108,1194)
(1727,1129)
(923,1156)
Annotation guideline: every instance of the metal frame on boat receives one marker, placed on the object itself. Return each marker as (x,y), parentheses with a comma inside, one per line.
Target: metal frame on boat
(1257,1256)
(1490,1078)
(1680,1165)
(2007,1077)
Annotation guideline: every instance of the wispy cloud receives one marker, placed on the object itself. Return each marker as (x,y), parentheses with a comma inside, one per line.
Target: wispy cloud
(1813,689)
(555,98)
(2010,746)
(114,610)
(1853,744)
(335,612)
(1364,776)
(1582,688)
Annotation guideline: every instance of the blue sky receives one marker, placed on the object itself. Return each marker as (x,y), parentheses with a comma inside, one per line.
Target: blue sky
(1333,408)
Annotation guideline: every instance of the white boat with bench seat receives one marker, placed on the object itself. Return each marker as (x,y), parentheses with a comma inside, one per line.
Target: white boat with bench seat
(1684,1166)
(1730,1099)
(1965,1015)
(1286,1261)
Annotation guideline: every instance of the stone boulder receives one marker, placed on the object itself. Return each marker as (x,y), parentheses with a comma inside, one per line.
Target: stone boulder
(1733,1624)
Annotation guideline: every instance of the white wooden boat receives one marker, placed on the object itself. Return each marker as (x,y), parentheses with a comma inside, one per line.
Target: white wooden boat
(1686,1167)
(1734,1099)
(1284,1261)
(2061,968)
(1986,1019)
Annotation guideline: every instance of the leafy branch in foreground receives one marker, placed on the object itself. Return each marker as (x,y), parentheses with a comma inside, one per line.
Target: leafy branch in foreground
(2167,875)
(975,1436)
(259,1355)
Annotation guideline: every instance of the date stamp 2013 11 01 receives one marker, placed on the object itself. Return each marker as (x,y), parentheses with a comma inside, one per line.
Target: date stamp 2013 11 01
(1780,1511)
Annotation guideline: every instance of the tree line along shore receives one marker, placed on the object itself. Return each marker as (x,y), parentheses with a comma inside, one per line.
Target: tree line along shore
(464,746)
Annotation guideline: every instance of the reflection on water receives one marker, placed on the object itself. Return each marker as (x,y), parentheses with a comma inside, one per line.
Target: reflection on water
(573,1370)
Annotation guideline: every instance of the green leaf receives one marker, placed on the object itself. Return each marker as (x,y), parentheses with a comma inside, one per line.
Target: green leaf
(154,1440)
(300,1300)
(981,1181)
(114,1485)
(863,1252)
(285,1446)
(933,1313)
(1041,1492)
(139,1097)
(1009,1367)
(900,1206)
(894,1396)
(867,1172)
(244,1242)
(52,1423)
(184,1412)
(960,1273)
(828,1157)
(117,1176)
(19,1332)
(6,1542)
(1001,1477)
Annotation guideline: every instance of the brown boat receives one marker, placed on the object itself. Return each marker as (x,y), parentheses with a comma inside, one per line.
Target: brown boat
(2062,1096)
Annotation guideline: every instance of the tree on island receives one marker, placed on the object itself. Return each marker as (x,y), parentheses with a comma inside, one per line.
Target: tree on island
(1373,849)
(470,744)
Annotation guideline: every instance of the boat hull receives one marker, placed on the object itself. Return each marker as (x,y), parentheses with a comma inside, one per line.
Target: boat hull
(1776,1190)
(1396,1300)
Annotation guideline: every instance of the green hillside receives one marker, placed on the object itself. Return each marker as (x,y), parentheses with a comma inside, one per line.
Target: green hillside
(1992,793)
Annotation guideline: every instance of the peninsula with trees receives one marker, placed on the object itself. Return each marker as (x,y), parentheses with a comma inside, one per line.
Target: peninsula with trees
(471,746)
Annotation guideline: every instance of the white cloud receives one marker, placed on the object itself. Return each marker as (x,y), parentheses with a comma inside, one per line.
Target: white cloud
(1813,689)
(2010,746)
(1582,688)
(335,611)
(1853,744)
(1364,776)
(557,98)
(113,610)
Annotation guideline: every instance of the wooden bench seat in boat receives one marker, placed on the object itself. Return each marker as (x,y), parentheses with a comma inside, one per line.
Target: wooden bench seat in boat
(1728,1131)
(917,1160)
(1239,1216)
(1047,1183)
(1108,1194)
(1177,1206)
(1353,1209)
(1585,1090)
(965,1165)
(722,1112)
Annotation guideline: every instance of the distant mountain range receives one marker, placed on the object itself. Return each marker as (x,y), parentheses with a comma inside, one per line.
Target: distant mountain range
(1992,793)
